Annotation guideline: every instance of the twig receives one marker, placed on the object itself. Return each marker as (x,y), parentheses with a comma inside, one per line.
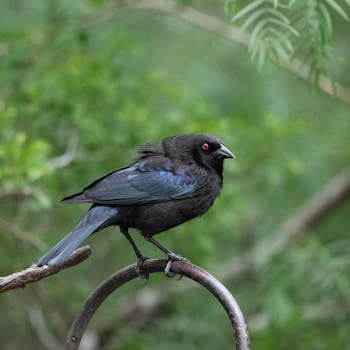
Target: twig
(67,157)
(182,268)
(225,29)
(35,273)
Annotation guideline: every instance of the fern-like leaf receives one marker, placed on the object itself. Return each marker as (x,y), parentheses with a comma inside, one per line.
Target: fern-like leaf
(286,29)
(270,29)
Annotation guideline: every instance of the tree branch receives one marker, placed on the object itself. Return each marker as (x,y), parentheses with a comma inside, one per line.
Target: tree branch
(67,157)
(35,273)
(225,29)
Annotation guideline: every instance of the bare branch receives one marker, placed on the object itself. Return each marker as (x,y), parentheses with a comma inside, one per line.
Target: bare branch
(67,157)
(111,284)
(225,29)
(35,273)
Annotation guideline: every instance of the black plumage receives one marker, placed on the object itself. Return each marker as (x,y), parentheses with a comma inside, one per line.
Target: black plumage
(169,183)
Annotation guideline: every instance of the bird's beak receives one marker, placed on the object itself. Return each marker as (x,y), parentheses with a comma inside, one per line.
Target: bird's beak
(223,152)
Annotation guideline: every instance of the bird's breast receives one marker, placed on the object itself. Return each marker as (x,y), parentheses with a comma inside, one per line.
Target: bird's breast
(154,218)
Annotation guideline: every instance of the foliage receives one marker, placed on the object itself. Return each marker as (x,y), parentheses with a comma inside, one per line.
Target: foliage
(283,30)
(136,77)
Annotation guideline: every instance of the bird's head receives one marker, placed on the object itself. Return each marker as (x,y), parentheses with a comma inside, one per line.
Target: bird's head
(204,149)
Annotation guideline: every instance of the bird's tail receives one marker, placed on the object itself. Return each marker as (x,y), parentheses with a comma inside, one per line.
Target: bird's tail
(94,220)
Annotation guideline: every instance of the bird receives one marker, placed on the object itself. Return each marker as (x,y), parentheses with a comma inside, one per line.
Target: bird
(169,183)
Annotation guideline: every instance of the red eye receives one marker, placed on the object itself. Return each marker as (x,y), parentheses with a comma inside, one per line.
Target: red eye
(205,147)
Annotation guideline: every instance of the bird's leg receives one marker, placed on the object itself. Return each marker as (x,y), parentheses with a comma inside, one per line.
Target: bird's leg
(171,256)
(137,251)
(141,258)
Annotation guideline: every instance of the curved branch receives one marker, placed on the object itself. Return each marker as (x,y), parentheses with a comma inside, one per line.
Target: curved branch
(182,268)
(36,273)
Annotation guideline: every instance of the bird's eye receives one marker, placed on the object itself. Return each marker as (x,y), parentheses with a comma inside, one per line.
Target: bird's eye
(205,147)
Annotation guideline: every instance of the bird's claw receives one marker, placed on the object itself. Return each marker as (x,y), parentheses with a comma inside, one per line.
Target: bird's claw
(139,269)
(172,257)
(167,271)
(175,257)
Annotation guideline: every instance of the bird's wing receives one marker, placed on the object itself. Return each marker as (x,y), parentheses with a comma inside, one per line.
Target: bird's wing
(145,182)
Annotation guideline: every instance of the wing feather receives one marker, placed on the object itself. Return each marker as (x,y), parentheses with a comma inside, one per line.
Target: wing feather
(144,182)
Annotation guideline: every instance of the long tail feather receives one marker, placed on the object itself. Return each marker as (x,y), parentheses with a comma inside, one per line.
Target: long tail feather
(94,220)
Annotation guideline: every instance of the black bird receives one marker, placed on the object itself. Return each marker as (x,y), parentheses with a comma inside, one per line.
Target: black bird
(169,183)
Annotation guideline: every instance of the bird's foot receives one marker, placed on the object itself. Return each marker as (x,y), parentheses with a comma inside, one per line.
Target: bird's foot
(171,258)
(139,269)
(175,257)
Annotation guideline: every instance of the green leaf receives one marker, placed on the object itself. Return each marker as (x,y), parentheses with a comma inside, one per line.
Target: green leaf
(327,17)
(257,33)
(337,8)
(278,14)
(277,52)
(262,53)
(326,32)
(252,18)
(275,3)
(284,25)
(283,39)
(245,10)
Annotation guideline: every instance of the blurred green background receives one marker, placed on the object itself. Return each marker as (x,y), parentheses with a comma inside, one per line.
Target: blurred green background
(80,91)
